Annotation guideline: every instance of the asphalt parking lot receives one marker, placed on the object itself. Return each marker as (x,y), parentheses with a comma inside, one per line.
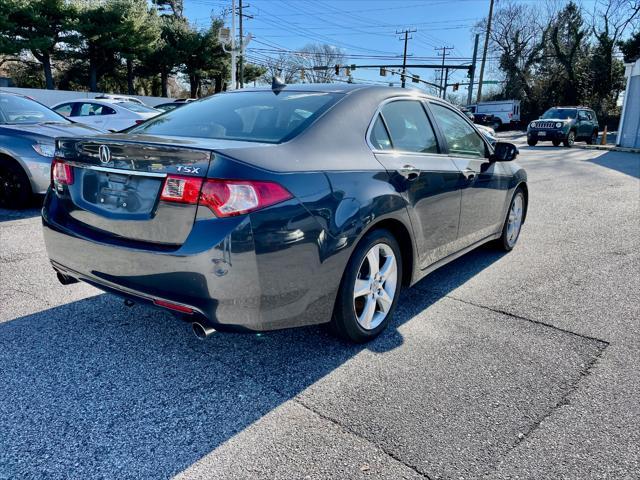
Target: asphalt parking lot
(519,365)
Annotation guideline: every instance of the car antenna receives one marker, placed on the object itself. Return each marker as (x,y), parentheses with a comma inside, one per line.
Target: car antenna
(277,85)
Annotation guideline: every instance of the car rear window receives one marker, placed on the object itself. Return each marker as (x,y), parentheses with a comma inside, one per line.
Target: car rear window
(251,116)
(136,107)
(20,110)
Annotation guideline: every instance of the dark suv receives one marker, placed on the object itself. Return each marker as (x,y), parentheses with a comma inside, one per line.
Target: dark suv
(564,124)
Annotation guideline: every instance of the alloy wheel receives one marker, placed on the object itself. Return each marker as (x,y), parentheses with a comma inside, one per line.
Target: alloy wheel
(515,219)
(571,138)
(375,286)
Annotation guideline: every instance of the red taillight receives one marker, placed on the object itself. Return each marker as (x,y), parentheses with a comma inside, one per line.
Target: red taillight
(172,306)
(181,189)
(61,173)
(226,198)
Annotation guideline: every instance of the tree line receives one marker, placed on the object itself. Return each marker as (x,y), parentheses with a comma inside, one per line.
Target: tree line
(112,45)
(560,54)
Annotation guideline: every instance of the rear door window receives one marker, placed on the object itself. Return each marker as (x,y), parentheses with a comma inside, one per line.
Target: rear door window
(461,137)
(64,109)
(91,109)
(379,137)
(409,127)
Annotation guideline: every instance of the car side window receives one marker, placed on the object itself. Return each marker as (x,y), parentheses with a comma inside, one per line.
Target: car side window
(64,109)
(409,127)
(582,115)
(90,109)
(461,137)
(379,136)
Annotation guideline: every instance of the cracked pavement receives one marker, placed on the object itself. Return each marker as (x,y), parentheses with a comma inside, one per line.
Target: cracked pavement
(522,365)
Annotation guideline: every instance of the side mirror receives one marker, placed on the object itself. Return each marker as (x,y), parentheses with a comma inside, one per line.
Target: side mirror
(504,152)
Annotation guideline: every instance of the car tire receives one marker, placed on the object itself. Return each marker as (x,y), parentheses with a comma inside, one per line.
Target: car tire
(570,140)
(532,143)
(513,221)
(367,299)
(15,188)
(496,124)
(593,139)
(556,143)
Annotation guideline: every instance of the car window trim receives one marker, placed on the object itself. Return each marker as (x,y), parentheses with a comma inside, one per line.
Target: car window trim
(488,149)
(378,112)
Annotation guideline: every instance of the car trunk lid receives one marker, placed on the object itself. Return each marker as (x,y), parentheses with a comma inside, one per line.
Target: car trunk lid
(117,185)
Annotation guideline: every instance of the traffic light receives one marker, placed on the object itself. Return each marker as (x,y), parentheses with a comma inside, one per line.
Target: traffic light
(415,78)
(353,66)
(456,86)
(337,69)
(383,72)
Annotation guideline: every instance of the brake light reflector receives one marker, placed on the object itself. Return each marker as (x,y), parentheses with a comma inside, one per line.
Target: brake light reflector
(181,189)
(61,173)
(172,306)
(229,198)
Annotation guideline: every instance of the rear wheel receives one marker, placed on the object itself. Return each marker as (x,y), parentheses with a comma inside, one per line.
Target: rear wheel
(15,189)
(513,222)
(369,289)
(570,140)
(532,143)
(496,124)
(593,139)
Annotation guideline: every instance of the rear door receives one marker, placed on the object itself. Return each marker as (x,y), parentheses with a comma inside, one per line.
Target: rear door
(485,183)
(117,186)
(404,141)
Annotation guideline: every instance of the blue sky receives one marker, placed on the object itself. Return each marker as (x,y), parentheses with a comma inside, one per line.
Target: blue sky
(362,28)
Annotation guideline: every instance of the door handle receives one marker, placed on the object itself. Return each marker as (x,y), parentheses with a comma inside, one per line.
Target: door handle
(469,174)
(409,172)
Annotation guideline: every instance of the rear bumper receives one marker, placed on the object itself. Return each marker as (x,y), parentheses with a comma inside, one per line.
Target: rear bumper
(216,272)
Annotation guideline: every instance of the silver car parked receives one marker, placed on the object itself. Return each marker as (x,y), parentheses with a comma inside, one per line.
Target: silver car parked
(28,131)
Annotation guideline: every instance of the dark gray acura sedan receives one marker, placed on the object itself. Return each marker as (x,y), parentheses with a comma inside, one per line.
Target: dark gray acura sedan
(297,205)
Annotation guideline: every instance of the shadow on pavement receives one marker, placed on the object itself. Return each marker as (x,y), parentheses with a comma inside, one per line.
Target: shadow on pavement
(92,389)
(33,210)
(628,163)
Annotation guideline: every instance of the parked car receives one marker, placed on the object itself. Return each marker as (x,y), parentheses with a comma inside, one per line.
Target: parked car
(107,114)
(489,133)
(497,113)
(119,98)
(239,213)
(564,125)
(27,133)
(165,107)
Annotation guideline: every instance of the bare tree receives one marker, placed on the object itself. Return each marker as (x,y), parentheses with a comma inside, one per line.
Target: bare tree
(313,59)
(516,37)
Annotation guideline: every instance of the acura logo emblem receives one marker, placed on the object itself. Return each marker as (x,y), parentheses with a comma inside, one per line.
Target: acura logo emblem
(105,154)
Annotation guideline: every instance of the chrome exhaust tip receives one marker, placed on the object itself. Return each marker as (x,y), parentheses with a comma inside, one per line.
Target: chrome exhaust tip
(200,331)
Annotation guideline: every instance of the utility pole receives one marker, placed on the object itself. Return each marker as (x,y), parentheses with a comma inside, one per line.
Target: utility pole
(234,63)
(442,73)
(241,68)
(472,72)
(242,44)
(484,53)
(404,56)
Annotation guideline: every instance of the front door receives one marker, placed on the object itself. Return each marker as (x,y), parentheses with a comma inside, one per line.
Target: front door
(485,183)
(405,143)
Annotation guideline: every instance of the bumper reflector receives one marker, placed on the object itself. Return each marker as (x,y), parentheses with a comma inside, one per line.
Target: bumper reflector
(172,306)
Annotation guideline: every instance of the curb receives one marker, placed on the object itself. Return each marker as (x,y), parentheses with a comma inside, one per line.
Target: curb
(609,148)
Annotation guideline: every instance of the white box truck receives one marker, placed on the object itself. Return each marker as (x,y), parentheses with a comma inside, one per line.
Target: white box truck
(505,112)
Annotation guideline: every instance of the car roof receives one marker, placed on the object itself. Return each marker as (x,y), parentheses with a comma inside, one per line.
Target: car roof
(344,88)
